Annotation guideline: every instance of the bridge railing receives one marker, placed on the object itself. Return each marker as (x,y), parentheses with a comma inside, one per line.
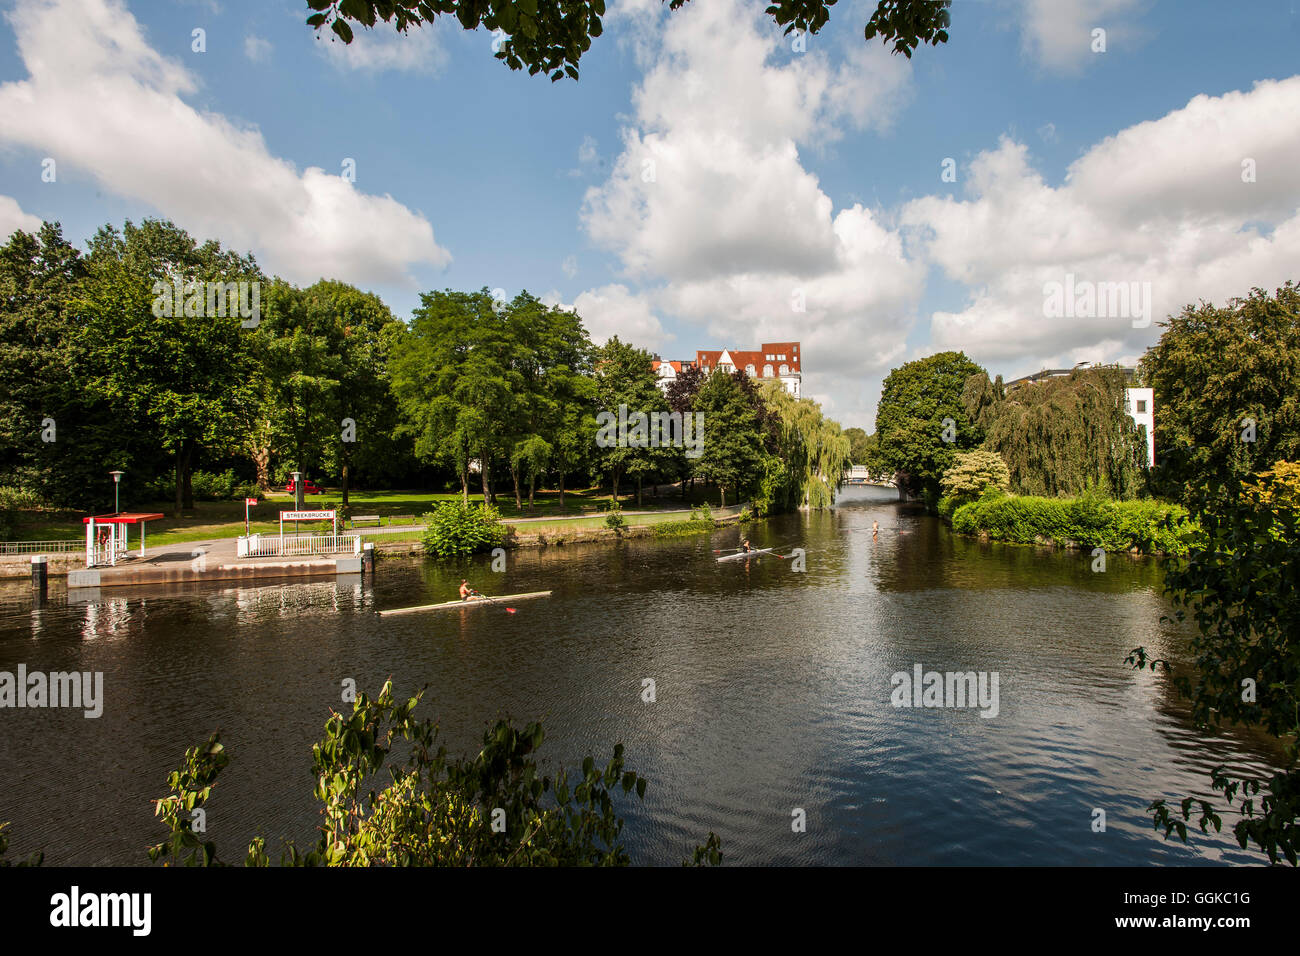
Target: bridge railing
(297,545)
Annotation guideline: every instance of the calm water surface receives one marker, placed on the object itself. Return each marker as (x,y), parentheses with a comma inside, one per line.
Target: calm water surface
(773,694)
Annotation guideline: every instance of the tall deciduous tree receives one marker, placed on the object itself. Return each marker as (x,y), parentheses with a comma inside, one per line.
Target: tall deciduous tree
(1227,389)
(182,371)
(921,421)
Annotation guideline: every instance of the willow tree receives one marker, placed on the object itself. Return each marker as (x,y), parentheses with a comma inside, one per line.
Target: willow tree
(815,450)
(1063,436)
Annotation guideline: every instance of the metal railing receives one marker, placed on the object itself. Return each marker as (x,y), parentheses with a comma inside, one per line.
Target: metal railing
(297,545)
(66,546)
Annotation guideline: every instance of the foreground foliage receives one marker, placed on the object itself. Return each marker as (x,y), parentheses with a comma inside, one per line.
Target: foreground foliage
(1241,585)
(495,809)
(550,36)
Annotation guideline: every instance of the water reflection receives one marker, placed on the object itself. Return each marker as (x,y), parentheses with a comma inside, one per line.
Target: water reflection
(773,693)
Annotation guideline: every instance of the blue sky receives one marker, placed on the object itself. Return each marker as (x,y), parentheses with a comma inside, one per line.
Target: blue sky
(815,172)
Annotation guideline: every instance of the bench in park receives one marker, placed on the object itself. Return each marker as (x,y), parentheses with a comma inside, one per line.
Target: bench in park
(356,518)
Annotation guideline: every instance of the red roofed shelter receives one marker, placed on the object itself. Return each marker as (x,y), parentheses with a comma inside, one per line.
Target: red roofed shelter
(107,536)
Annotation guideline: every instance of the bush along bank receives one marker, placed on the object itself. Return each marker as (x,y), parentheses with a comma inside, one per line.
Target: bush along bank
(456,531)
(1147,527)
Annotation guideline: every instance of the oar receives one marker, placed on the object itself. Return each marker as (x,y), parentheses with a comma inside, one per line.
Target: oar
(484,597)
(721,550)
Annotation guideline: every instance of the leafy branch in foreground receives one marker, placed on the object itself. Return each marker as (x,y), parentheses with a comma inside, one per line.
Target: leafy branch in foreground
(1241,585)
(551,36)
(494,809)
(35,859)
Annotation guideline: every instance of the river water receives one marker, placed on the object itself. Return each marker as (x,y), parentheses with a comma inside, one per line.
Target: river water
(772,695)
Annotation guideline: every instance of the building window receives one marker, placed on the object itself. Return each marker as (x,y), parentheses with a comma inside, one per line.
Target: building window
(767,370)
(785,370)
(749,370)
(1142,406)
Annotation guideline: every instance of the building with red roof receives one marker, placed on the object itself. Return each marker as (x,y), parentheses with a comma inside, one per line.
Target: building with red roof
(772,361)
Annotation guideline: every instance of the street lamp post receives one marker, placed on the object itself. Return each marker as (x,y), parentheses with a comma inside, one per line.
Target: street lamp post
(117,482)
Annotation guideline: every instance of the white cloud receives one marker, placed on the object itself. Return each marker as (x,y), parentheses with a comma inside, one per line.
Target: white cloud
(13,218)
(418,50)
(710,205)
(100,99)
(1162,202)
(570,266)
(256,48)
(1057,34)
(613,310)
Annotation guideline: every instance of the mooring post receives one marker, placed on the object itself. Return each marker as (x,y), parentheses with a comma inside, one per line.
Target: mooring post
(368,558)
(40,574)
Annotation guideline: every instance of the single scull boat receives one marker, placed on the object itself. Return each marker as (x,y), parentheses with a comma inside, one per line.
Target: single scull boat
(471,603)
(746,554)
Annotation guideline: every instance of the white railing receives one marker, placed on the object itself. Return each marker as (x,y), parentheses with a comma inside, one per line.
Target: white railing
(297,545)
(42,547)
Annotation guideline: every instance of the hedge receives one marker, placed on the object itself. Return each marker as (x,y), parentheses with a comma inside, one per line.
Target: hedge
(1088,522)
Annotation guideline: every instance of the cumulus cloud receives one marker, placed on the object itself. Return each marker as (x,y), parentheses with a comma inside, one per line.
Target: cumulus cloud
(615,310)
(100,99)
(1057,34)
(1166,203)
(13,218)
(713,213)
(383,48)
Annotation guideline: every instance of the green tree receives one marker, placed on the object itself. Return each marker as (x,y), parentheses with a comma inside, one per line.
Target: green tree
(551,36)
(455,384)
(56,439)
(732,454)
(973,472)
(921,422)
(165,361)
(625,377)
(1227,390)
(859,445)
(1241,585)
(1067,435)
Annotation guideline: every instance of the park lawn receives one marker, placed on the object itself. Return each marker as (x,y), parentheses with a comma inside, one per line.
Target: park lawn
(583,508)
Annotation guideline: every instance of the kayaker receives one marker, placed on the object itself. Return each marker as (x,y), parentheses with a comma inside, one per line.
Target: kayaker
(466,592)
(745,546)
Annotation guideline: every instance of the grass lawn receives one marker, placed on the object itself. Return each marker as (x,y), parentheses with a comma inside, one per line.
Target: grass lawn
(225,519)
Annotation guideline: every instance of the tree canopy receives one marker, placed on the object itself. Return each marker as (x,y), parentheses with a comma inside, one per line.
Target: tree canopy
(1227,390)
(921,422)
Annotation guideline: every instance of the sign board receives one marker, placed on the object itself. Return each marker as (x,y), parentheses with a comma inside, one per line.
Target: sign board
(306,515)
(250,501)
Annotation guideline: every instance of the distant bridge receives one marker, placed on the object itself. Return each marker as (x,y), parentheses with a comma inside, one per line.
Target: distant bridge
(859,475)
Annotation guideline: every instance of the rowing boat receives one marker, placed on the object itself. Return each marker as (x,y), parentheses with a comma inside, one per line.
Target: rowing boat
(472,603)
(746,554)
